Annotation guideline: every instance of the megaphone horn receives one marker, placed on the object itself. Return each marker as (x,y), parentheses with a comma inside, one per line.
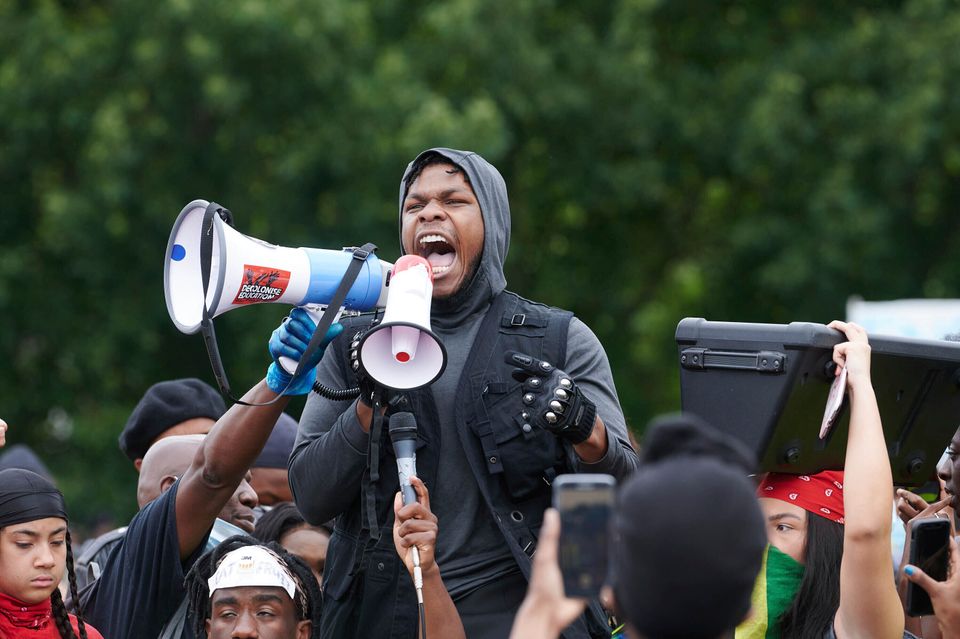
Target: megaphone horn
(245,270)
(401,352)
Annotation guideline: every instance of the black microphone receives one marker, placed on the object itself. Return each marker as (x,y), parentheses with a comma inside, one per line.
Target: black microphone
(403,433)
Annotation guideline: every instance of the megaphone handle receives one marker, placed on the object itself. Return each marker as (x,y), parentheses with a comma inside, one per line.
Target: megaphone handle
(315,311)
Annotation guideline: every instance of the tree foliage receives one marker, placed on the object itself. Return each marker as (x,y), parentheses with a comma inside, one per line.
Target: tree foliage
(728,159)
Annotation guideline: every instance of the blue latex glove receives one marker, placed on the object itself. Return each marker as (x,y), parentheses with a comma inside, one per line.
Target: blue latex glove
(290,339)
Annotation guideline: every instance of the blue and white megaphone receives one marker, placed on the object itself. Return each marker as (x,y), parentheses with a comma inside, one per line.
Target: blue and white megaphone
(245,271)
(400,353)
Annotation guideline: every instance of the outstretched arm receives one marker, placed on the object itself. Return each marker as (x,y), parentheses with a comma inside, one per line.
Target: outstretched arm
(221,464)
(869,605)
(237,438)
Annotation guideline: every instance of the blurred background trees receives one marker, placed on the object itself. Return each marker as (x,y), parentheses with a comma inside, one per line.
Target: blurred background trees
(735,160)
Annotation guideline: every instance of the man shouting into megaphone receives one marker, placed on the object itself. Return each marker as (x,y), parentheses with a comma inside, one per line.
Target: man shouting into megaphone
(527,394)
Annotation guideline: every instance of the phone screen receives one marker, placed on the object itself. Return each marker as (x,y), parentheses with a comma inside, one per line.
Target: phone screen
(585,503)
(930,551)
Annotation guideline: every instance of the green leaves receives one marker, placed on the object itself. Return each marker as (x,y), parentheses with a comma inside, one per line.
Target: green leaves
(740,161)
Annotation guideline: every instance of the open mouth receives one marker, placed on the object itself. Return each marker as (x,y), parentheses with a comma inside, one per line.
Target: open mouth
(438,251)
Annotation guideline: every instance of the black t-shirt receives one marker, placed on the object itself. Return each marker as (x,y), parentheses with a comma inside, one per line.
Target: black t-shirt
(141,585)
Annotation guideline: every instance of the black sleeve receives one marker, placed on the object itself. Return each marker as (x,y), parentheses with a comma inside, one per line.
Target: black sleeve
(142,583)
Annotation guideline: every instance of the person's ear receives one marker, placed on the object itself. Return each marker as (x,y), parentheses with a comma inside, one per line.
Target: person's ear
(137,463)
(167,482)
(206,625)
(304,628)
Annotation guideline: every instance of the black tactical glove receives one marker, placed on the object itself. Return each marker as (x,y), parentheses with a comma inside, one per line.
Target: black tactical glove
(551,399)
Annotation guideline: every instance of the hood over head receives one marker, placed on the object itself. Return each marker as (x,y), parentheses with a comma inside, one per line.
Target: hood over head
(491,192)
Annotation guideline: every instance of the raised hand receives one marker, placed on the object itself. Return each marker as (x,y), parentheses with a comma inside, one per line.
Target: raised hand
(854,354)
(551,399)
(290,339)
(415,525)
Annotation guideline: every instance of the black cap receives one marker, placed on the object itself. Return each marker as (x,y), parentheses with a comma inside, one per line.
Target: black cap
(688,535)
(277,450)
(165,405)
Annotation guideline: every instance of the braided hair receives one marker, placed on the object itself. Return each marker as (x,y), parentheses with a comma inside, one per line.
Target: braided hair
(307,603)
(30,497)
(60,615)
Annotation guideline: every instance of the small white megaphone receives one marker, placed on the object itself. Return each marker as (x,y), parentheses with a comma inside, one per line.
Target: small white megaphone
(245,270)
(402,352)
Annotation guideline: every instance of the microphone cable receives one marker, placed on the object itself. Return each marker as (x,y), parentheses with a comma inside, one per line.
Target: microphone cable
(418,584)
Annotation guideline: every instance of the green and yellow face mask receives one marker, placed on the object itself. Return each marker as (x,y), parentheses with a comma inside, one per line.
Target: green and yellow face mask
(777,585)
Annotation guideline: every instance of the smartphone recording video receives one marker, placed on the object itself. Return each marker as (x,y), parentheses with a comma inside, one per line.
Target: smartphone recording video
(585,503)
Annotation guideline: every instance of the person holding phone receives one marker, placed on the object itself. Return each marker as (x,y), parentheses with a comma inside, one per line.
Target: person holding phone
(945,595)
(835,526)
(415,526)
(679,565)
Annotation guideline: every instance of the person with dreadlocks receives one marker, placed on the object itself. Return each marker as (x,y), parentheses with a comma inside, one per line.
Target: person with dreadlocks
(34,551)
(246,588)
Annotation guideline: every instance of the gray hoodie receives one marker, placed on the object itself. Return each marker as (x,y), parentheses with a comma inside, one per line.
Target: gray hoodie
(330,453)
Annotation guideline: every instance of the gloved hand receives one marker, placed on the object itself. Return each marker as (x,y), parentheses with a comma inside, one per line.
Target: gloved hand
(364,382)
(290,339)
(551,399)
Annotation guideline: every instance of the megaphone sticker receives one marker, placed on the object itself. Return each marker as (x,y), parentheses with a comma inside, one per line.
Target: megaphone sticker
(261,284)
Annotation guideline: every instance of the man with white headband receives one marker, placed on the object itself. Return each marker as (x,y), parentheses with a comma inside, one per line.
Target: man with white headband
(244,588)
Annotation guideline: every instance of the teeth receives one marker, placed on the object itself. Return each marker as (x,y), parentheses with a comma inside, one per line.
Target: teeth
(437,270)
(426,239)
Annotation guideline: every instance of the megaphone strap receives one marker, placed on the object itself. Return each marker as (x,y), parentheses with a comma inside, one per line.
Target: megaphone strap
(206,323)
(360,256)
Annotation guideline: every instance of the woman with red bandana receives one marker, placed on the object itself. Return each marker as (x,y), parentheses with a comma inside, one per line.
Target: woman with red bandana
(34,552)
(831,531)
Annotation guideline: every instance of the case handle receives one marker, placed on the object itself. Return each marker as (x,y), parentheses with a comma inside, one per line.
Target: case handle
(759,361)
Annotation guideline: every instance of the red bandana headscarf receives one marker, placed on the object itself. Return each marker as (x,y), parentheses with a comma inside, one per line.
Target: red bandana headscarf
(820,494)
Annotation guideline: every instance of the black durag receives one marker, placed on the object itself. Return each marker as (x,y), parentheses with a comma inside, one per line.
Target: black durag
(26,496)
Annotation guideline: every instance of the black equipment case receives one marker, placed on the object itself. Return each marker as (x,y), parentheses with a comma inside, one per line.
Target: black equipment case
(767,384)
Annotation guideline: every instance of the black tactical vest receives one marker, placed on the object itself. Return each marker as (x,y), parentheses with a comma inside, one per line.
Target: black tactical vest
(367,591)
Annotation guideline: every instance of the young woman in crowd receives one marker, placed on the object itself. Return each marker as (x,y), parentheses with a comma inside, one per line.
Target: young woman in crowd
(830,532)
(285,525)
(34,552)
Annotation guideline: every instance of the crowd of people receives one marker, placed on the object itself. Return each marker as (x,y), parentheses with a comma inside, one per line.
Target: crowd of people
(254,524)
